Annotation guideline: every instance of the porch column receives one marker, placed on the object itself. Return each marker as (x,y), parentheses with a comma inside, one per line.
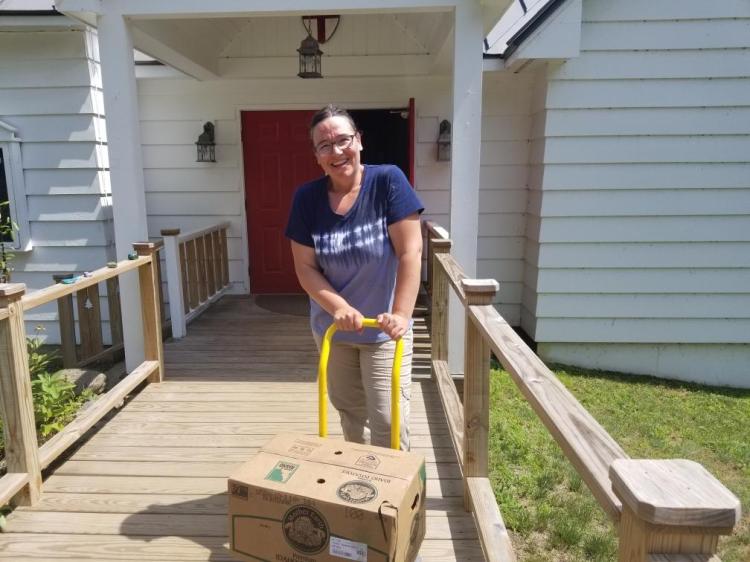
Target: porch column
(465,151)
(125,166)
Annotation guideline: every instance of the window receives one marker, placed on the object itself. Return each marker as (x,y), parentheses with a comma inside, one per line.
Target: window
(12,187)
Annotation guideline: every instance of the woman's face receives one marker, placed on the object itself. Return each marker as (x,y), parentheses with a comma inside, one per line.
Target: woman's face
(337,148)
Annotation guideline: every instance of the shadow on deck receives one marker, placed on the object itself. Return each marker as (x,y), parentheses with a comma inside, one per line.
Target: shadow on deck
(150,483)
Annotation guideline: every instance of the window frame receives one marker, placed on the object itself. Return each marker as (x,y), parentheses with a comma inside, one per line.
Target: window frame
(14,179)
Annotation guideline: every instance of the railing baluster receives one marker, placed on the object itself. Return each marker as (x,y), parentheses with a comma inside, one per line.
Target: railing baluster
(66,320)
(192,267)
(115,311)
(224,257)
(89,321)
(201,269)
(216,243)
(476,386)
(208,243)
(21,447)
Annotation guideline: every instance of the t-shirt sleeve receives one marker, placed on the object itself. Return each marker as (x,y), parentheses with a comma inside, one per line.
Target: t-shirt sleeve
(298,227)
(402,199)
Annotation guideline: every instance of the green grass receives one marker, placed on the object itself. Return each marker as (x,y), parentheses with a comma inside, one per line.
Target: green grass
(550,511)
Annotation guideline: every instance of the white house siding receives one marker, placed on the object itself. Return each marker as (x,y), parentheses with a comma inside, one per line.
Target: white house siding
(506,122)
(190,195)
(50,91)
(644,230)
(183,193)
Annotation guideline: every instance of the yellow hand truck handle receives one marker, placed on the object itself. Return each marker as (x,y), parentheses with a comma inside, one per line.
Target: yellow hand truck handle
(325,350)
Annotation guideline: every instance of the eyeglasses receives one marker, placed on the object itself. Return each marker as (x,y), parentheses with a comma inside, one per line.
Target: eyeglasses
(342,143)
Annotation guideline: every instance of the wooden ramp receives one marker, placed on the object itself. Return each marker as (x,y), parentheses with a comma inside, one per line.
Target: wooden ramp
(150,484)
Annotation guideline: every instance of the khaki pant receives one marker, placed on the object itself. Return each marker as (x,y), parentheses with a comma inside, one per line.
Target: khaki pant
(359,386)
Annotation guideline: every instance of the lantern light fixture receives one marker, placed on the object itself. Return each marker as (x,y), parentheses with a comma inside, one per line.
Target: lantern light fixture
(310,65)
(206,144)
(309,58)
(444,141)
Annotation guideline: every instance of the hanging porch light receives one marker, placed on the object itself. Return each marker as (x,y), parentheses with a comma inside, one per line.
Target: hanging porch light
(309,50)
(309,58)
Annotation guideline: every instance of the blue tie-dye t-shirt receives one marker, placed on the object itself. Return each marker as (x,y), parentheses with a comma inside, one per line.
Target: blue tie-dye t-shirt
(354,251)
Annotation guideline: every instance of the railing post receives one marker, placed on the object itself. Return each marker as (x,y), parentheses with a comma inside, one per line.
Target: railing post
(66,320)
(151,308)
(439,304)
(476,385)
(21,447)
(174,282)
(670,507)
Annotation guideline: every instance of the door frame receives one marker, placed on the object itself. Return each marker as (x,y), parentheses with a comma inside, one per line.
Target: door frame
(238,109)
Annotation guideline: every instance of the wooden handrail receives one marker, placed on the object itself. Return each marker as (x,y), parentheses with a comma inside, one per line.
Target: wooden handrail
(666,510)
(193,234)
(54,292)
(582,439)
(25,459)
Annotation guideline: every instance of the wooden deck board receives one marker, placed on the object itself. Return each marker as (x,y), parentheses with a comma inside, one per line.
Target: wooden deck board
(150,484)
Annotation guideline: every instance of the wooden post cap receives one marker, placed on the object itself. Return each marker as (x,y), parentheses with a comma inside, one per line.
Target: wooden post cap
(441,245)
(674,492)
(16,290)
(479,291)
(170,231)
(147,248)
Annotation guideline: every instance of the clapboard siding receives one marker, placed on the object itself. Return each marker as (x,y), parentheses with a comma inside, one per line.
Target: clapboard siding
(25,73)
(645,255)
(536,175)
(608,65)
(643,228)
(506,123)
(683,175)
(663,121)
(183,193)
(50,90)
(653,202)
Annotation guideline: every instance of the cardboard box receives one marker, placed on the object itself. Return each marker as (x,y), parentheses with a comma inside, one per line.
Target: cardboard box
(304,498)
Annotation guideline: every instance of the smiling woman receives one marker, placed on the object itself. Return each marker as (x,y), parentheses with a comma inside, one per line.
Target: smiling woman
(357,245)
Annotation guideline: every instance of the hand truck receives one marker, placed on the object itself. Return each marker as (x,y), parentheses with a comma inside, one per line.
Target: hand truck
(325,350)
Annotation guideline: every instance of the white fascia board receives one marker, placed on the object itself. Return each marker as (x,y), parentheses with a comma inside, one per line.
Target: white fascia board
(26,5)
(231,8)
(87,6)
(37,23)
(559,37)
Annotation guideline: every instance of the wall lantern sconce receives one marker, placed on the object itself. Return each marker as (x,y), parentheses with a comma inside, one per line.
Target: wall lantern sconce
(444,142)
(206,144)
(309,49)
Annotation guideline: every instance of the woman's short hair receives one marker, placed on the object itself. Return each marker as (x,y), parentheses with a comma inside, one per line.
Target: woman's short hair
(329,111)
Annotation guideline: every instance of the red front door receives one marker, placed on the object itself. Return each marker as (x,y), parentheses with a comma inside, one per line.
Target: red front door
(278,158)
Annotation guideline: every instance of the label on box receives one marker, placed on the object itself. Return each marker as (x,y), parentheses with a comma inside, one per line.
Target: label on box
(368,461)
(350,550)
(282,472)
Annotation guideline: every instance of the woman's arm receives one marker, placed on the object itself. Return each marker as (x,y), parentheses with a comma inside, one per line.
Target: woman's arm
(345,316)
(406,237)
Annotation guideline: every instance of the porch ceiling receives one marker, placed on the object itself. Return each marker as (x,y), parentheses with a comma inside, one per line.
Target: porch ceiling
(209,48)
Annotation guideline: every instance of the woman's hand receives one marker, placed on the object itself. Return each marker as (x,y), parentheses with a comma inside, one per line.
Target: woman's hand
(348,319)
(394,325)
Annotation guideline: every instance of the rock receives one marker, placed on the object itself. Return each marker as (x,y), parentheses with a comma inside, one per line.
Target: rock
(85,379)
